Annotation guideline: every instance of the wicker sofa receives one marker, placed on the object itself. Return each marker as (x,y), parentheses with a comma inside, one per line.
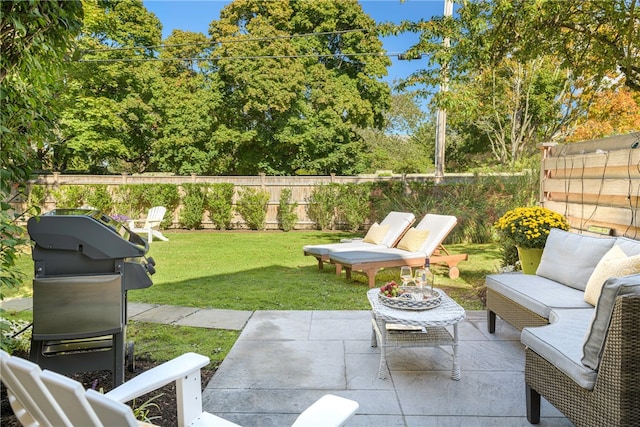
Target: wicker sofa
(583,358)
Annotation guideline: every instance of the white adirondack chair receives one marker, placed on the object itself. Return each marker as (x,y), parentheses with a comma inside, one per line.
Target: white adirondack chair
(45,398)
(151,224)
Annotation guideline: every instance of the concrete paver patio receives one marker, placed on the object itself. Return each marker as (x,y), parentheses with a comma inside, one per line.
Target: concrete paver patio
(285,360)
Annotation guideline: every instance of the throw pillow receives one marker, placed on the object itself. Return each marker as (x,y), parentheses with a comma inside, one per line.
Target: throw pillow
(376,233)
(614,263)
(413,239)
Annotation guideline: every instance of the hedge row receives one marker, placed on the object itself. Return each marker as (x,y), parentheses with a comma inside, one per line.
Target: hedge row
(476,204)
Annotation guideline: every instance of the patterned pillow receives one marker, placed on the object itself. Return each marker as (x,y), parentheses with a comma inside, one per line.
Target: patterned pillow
(614,263)
(413,239)
(376,233)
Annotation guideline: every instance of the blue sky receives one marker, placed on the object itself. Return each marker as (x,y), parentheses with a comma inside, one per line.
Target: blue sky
(195,15)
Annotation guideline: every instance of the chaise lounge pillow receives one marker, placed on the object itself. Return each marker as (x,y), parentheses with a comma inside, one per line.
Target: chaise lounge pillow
(413,239)
(597,333)
(614,263)
(376,233)
(570,258)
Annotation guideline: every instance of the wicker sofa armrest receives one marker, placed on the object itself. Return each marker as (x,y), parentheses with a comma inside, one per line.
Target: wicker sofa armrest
(615,398)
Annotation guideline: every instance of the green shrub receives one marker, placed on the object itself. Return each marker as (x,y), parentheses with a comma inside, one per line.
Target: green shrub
(322,205)
(219,203)
(130,200)
(252,206)
(69,196)
(353,204)
(134,200)
(193,204)
(287,216)
(98,197)
(166,195)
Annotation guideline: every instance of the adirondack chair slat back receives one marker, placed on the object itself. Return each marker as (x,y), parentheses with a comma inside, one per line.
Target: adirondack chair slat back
(23,379)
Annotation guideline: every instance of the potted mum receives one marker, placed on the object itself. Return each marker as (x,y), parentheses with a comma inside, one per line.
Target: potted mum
(528,228)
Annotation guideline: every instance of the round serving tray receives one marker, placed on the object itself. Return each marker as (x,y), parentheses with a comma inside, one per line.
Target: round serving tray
(408,303)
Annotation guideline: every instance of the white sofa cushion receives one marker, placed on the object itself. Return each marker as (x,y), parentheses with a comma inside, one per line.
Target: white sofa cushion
(599,324)
(630,247)
(538,294)
(560,343)
(570,258)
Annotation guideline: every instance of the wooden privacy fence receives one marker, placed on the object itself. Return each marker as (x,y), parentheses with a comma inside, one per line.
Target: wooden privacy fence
(595,184)
(301,189)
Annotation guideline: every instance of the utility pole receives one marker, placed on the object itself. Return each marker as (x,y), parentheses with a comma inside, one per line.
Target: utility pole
(441,118)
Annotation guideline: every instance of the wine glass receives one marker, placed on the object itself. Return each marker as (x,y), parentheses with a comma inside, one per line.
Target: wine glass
(405,275)
(419,279)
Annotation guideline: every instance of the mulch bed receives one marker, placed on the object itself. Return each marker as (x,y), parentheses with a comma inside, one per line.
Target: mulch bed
(165,414)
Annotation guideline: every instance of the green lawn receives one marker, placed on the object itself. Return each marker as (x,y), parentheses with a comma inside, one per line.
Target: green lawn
(251,270)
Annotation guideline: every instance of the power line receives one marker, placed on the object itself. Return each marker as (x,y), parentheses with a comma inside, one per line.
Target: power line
(221,58)
(212,43)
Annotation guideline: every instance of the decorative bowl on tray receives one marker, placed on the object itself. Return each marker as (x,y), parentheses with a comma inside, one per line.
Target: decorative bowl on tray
(408,297)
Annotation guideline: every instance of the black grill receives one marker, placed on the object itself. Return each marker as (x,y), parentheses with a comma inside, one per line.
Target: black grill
(84,262)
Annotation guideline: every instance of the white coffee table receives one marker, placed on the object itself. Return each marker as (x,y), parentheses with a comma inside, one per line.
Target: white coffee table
(424,328)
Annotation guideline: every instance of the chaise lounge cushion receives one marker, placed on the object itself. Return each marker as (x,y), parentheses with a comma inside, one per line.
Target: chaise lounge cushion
(599,324)
(538,294)
(570,258)
(560,343)
(373,256)
(397,222)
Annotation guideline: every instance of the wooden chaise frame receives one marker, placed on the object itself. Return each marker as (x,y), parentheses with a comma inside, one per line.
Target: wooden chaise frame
(440,256)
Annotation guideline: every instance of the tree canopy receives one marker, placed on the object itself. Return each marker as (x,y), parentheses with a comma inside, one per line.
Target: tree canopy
(297,78)
(498,96)
(36,37)
(276,87)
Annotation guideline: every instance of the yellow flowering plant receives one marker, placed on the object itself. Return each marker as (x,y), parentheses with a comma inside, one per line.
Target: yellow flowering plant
(529,227)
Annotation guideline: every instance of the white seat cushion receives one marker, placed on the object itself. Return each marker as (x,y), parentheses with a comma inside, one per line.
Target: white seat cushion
(560,344)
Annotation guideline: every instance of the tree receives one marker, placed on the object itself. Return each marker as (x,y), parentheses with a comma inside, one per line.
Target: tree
(590,41)
(297,79)
(593,38)
(515,106)
(398,146)
(187,102)
(36,38)
(613,112)
(109,120)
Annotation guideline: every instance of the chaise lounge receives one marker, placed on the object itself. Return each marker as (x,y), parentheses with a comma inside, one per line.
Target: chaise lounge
(419,243)
(387,234)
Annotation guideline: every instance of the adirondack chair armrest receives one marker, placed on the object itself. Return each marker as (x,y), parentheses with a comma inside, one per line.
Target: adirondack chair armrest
(134,222)
(182,370)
